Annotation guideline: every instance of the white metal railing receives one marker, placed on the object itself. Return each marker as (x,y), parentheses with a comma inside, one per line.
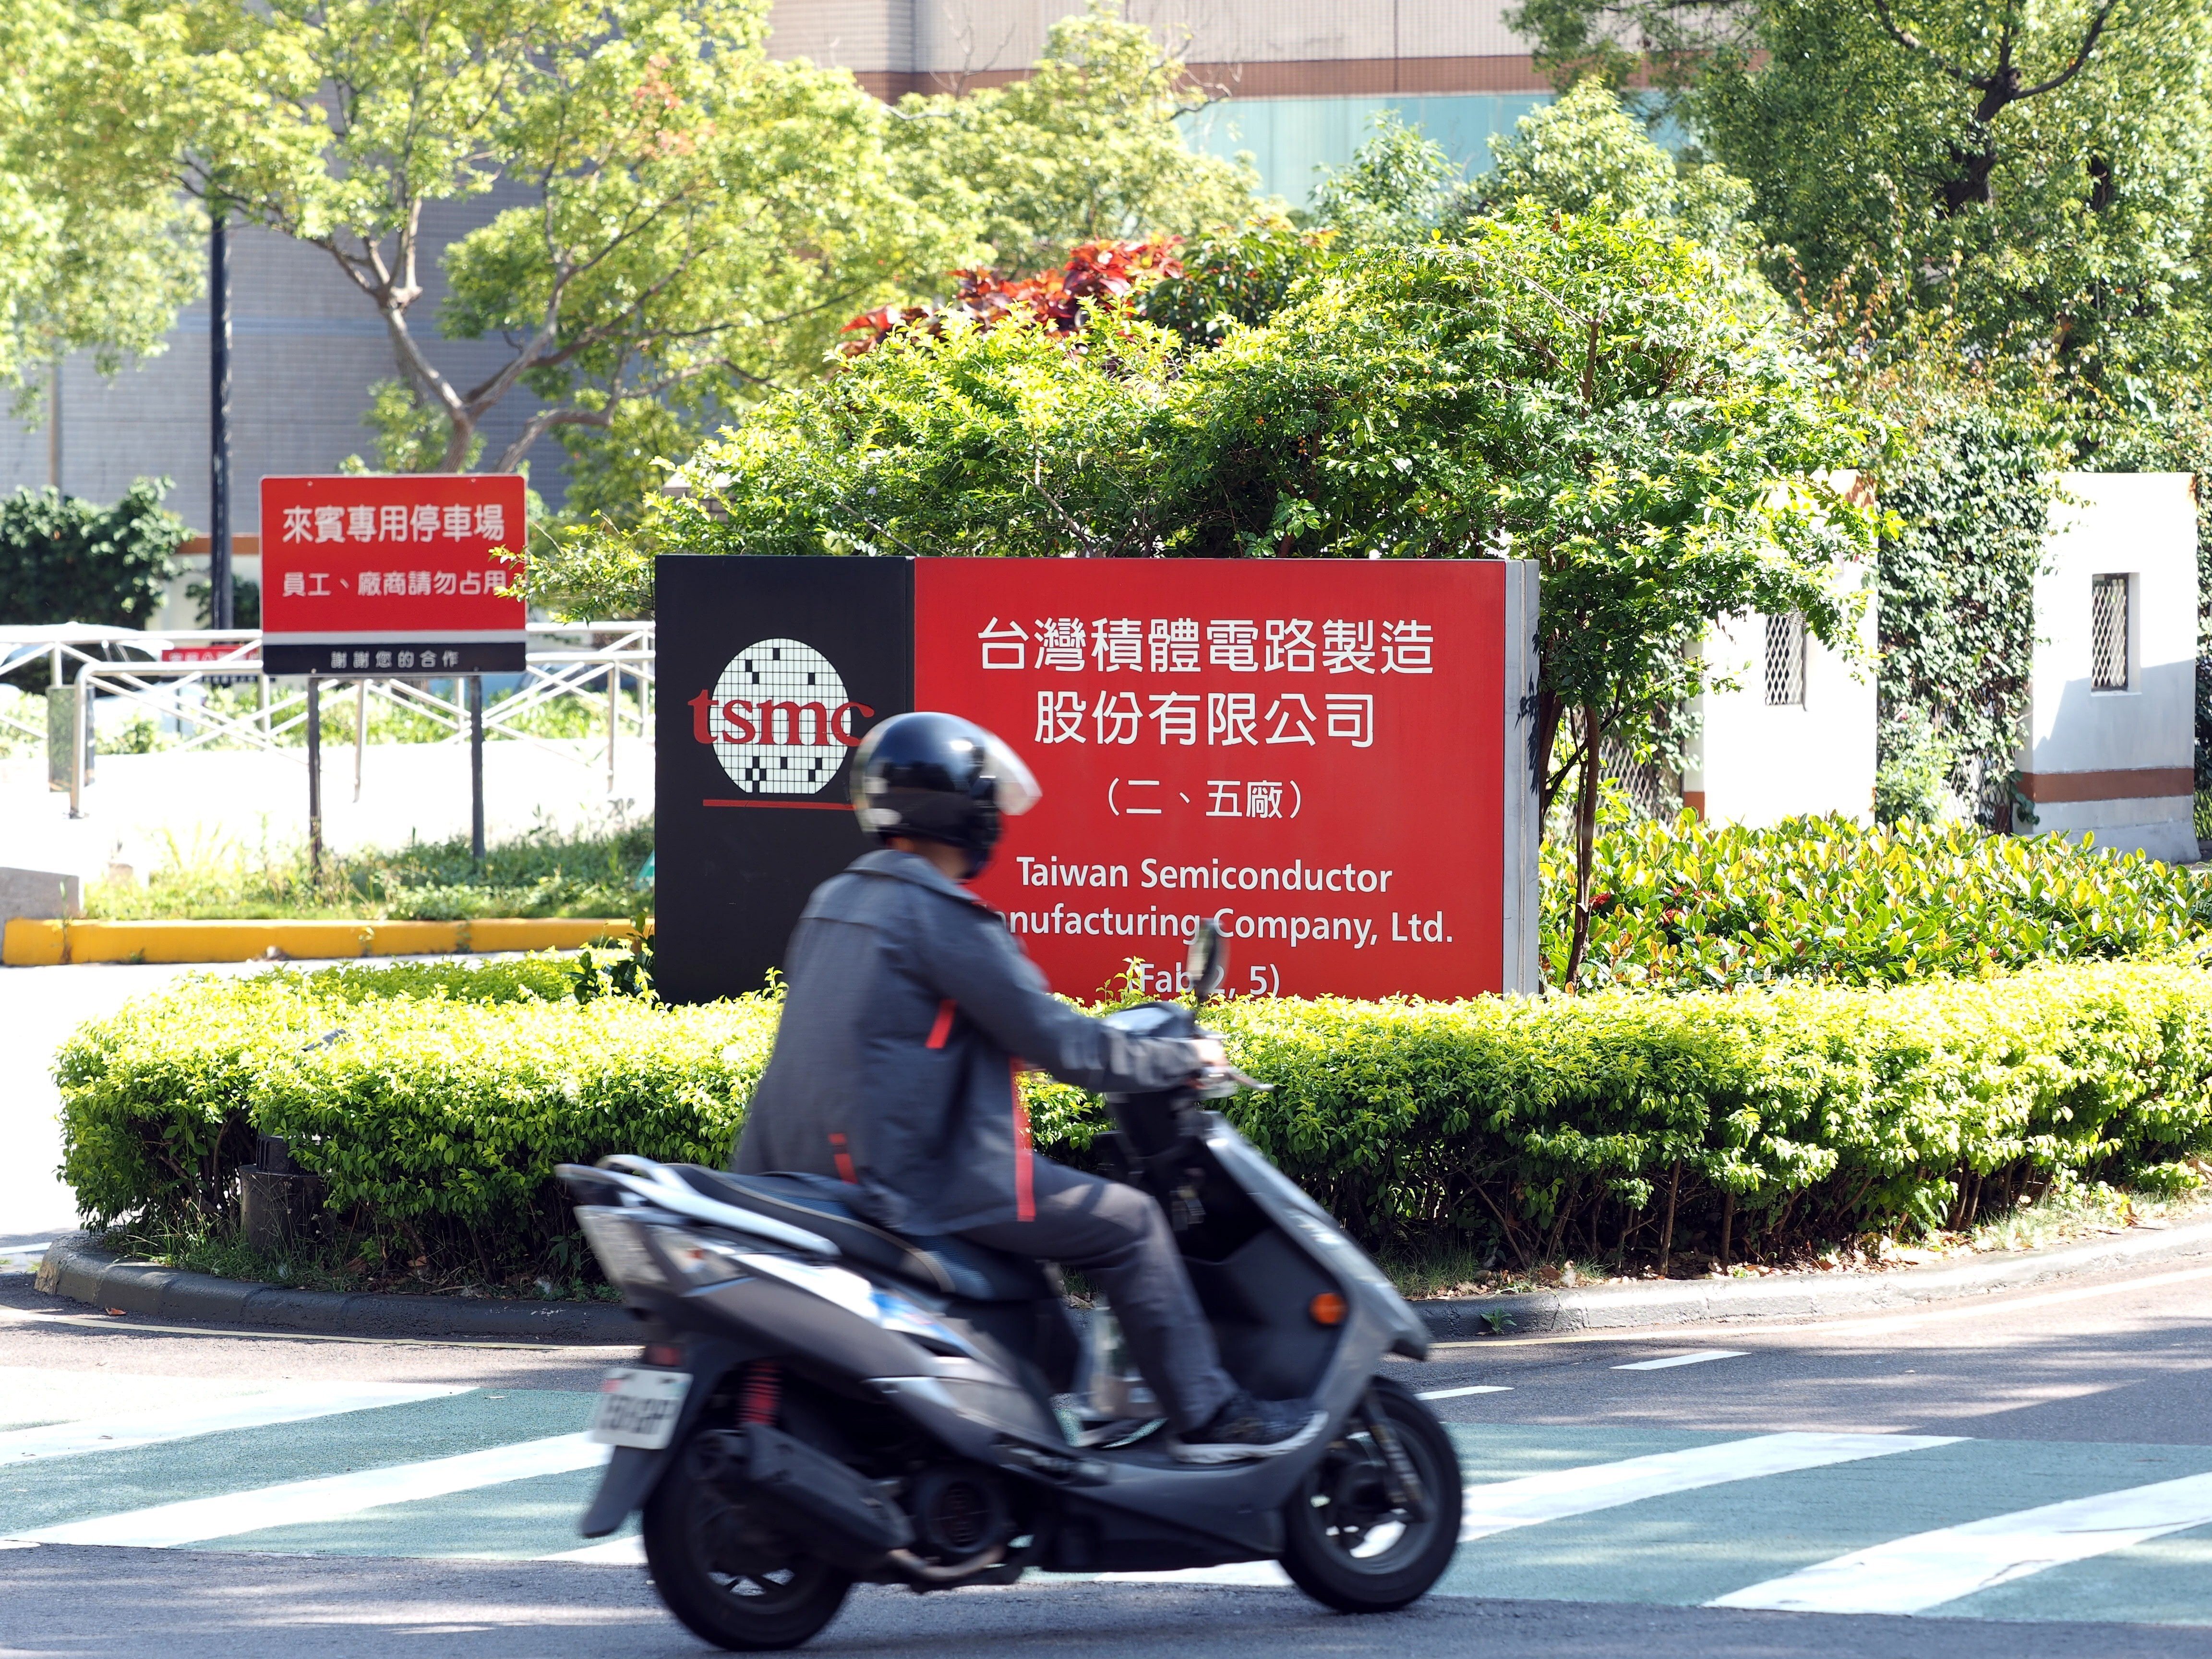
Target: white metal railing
(595,663)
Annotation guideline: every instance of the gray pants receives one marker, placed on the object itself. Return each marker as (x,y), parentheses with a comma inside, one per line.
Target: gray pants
(1119,1239)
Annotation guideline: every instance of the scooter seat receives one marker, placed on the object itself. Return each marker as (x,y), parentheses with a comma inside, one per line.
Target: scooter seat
(951,1267)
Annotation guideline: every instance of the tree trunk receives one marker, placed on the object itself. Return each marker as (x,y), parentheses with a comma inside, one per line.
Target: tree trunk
(1586,799)
(1667,1231)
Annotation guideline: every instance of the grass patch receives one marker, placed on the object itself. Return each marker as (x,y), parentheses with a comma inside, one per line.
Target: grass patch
(542,873)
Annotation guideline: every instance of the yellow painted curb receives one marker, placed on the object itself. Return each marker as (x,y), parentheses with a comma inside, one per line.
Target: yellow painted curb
(44,944)
(31,944)
(553,933)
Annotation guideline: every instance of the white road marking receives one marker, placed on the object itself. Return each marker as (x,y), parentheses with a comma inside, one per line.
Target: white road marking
(1672,1360)
(196,1519)
(608,1552)
(1911,1575)
(1263,1575)
(294,1403)
(1502,1505)
(1458,1393)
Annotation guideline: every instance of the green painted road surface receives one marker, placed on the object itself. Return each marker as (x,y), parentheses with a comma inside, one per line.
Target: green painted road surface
(1944,1525)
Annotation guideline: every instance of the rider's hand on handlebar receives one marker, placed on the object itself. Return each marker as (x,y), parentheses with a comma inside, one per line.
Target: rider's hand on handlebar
(1210,1054)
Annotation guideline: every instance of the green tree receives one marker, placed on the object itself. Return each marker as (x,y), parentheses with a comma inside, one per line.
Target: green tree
(83,265)
(66,560)
(692,217)
(1399,187)
(1084,148)
(1616,402)
(1590,153)
(2042,167)
(1613,402)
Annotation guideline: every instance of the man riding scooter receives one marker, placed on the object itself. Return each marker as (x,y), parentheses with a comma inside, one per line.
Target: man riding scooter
(911,1012)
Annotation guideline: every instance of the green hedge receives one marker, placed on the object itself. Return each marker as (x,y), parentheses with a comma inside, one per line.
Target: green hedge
(436,1100)
(1683,905)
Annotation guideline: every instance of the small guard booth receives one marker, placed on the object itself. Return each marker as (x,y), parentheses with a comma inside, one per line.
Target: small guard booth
(1333,758)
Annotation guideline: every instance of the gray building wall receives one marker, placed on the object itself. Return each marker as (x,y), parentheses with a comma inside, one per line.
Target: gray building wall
(306,347)
(1296,84)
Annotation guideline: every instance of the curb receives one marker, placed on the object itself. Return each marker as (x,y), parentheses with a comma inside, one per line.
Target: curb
(27,943)
(72,1268)
(1808,1296)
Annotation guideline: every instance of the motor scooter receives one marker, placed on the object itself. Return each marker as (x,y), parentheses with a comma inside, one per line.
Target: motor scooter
(825,1402)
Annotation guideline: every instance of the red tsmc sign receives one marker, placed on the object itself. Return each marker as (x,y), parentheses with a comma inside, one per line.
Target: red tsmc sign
(1313,753)
(392,575)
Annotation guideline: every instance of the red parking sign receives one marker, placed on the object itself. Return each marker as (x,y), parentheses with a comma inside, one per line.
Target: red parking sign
(392,575)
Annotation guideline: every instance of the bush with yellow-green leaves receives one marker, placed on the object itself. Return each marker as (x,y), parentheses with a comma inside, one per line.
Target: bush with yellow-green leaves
(1681,905)
(434,1101)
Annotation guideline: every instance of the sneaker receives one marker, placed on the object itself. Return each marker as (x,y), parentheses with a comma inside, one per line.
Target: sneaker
(1248,1428)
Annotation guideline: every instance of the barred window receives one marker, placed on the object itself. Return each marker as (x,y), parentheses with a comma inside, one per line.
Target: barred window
(1785,660)
(1651,791)
(2108,634)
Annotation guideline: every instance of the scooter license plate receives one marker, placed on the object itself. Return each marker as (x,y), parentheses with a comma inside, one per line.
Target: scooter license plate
(639,1408)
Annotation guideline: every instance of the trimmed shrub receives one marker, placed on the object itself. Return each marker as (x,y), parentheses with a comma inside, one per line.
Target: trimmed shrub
(1681,906)
(434,1101)
(66,560)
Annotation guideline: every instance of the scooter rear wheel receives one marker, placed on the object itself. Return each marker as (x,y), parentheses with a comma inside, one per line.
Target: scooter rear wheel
(1346,1543)
(728,1575)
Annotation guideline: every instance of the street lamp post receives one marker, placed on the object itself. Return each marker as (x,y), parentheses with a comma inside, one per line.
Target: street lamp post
(219,582)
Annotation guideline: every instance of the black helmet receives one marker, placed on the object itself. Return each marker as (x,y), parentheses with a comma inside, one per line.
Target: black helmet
(937,777)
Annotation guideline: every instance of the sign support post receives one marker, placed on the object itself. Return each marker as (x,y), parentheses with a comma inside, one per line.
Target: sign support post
(314,777)
(476,769)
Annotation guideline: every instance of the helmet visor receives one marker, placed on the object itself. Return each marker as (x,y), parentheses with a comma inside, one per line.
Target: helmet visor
(1017,789)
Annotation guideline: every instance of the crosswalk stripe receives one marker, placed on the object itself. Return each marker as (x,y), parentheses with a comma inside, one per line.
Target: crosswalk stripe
(1702,1356)
(608,1552)
(1911,1575)
(1502,1505)
(295,1403)
(195,1520)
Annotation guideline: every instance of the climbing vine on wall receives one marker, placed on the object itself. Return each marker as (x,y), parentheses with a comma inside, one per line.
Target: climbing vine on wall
(1969,489)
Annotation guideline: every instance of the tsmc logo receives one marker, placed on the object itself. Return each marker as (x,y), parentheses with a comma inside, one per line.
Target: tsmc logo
(779,719)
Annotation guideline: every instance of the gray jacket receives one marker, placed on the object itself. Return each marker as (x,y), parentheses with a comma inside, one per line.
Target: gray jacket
(895,1064)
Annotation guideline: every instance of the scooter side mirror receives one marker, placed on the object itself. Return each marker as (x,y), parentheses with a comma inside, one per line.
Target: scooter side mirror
(1207,963)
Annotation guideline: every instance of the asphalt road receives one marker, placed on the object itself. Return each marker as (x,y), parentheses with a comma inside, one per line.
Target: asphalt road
(1922,1436)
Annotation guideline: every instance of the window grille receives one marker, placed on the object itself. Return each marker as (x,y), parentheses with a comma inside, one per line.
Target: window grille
(1785,660)
(2108,633)
(1651,790)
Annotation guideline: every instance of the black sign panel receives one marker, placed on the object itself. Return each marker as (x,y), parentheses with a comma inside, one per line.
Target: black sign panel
(770,671)
(398,658)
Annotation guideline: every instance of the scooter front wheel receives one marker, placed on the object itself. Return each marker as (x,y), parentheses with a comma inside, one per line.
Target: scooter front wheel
(728,1574)
(1360,1536)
